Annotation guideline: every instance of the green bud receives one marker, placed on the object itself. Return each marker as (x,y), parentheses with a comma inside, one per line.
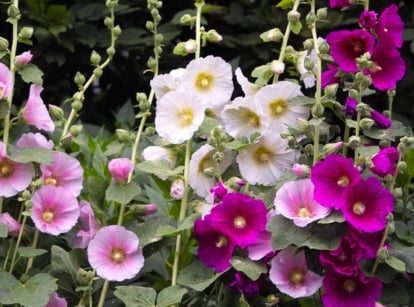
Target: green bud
(110,51)
(110,4)
(4,44)
(354,141)
(359,76)
(390,228)
(79,79)
(330,90)
(190,46)
(56,112)
(332,148)
(77,105)
(303,125)
(149,131)
(218,156)
(97,72)
(311,18)
(308,149)
(397,192)
(366,123)
(26,33)
(108,22)
(151,63)
(82,277)
(308,44)
(366,81)
(273,35)
(324,48)
(214,37)
(117,30)
(158,4)
(293,16)
(78,96)
(353,93)
(272,300)
(410,140)
(180,49)
(309,63)
(149,25)
(122,135)
(158,50)
(75,130)
(382,254)
(210,172)
(402,166)
(13,12)
(159,39)
(322,13)
(187,20)
(235,183)
(26,195)
(141,96)
(384,143)
(95,58)
(391,93)
(317,110)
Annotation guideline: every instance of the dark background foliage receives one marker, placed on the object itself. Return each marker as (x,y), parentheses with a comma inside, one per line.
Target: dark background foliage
(67,31)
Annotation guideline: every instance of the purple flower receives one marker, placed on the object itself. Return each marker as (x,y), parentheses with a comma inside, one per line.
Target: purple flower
(13,226)
(6,81)
(218,192)
(368,241)
(350,106)
(115,254)
(332,178)
(380,119)
(329,76)
(368,19)
(214,248)
(240,217)
(244,284)
(367,204)
(384,162)
(33,140)
(56,301)
(291,276)
(23,59)
(348,45)
(87,226)
(262,247)
(390,26)
(346,291)
(120,168)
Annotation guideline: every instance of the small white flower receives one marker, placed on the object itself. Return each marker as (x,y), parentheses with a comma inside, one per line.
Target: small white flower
(157,153)
(249,89)
(164,83)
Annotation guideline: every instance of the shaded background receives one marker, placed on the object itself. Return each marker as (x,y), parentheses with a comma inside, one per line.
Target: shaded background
(67,31)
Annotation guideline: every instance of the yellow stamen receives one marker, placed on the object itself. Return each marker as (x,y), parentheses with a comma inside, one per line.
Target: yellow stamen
(221,242)
(303,212)
(204,81)
(358,208)
(343,181)
(117,255)
(278,107)
(47,216)
(349,286)
(239,222)
(6,169)
(50,181)
(263,155)
(185,117)
(297,277)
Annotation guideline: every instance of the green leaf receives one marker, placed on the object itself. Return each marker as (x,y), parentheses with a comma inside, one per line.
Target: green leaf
(63,261)
(251,269)
(397,129)
(160,169)
(188,222)
(147,231)
(296,27)
(301,101)
(122,193)
(395,263)
(29,252)
(4,108)
(285,4)
(166,230)
(170,295)
(405,253)
(134,296)
(409,159)
(4,231)
(31,74)
(38,155)
(197,276)
(334,217)
(99,162)
(34,293)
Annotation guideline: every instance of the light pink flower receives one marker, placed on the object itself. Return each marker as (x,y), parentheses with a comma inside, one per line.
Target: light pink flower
(23,59)
(54,210)
(14,176)
(56,301)
(33,140)
(65,172)
(295,201)
(262,246)
(12,225)
(120,168)
(291,276)
(35,112)
(177,188)
(87,225)
(6,81)
(115,254)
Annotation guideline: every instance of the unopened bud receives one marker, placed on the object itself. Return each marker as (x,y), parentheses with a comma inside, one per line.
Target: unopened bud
(235,183)
(311,18)
(308,44)
(330,90)
(56,112)
(303,125)
(309,63)
(79,79)
(190,46)
(97,72)
(77,105)
(95,58)
(187,20)
(26,33)
(143,209)
(210,172)
(366,123)
(214,37)
(273,35)
(110,51)
(177,189)
(322,13)
(300,170)
(218,157)
(75,130)
(277,67)
(149,25)
(293,16)
(382,254)
(354,141)
(402,166)
(159,39)
(353,93)
(4,44)
(117,30)
(317,110)
(332,148)
(122,135)
(324,48)
(179,49)
(13,12)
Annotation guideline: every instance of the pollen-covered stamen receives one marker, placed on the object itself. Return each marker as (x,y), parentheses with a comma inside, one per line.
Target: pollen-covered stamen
(221,242)
(297,277)
(204,81)
(239,222)
(263,155)
(48,216)
(278,107)
(6,169)
(343,181)
(358,208)
(117,255)
(375,67)
(50,181)
(303,212)
(349,286)
(185,117)
(357,47)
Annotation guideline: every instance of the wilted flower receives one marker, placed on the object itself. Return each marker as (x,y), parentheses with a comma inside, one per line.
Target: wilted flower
(385,161)
(13,226)
(380,119)
(87,226)
(120,169)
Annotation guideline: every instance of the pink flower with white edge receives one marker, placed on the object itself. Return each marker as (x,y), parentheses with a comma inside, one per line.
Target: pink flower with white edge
(87,226)
(115,254)
(33,140)
(262,247)
(6,81)
(13,226)
(35,112)
(14,176)
(291,276)
(120,169)
(55,211)
(56,301)
(23,59)
(65,172)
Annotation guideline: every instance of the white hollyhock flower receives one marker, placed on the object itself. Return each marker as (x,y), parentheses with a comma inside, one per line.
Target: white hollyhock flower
(178,115)
(248,88)
(210,78)
(164,83)
(267,160)
(157,153)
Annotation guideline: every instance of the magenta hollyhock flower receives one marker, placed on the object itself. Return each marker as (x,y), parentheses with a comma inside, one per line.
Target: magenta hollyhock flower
(295,201)
(214,248)
(65,172)
(262,247)
(239,217)
(385,161)
(56,301)
(329,76)
(120,169)
(218,192)
(290,274)
(350,106)
(345,259)
(345,291)
(369,242)
(339,3)
(35,112)
(87,226)
(380,119)
(367,204)
(33,140)
(390,26)
(245,285)
(368,19)
(348,45)
(23,59)
(388,66)
(332,178)
(14,176)
(115,254)
(54,210)
(6,81)
(13,226)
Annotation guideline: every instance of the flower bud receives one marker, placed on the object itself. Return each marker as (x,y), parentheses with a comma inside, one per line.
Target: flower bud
(23,59)
(56,112)
(79,79)
(75,130)
(303,125)
(273,35)
(330,90)
(26,33)
(214,37)
(317,110)
(97,72)
(187,20)
(122,135)
(354,141)
(402,166)
(117,30)
(311,18)
(309,63)
(4,44)
(120,169)
(353,93)
(110,51)
(324,48)
(322,13)
(300,170)
(177,189)
(382,254)
(13,12)
(13,226)
(95,58)
(77,105)
(190,46)
(218,156)
(235,183)
(366,123)
(277,67)
(332,148)
(210,172)
(293,16)
(179,49)
(159,39)
(149,25)
(308,44)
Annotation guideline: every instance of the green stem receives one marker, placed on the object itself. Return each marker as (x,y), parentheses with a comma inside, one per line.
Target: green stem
(390,103)
(34,245)
(377,260)
(199,5)
(103,293)
(357,135)
(346,139)
(19,238)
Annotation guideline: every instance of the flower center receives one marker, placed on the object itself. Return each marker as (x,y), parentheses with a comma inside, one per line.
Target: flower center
(117,255)
(343,181)
(185,117)
(263,155)
(375,67)
(357,47)
(349,286)
(47,216)
(358,208)
(297,277)
(6,169)
(1,90)
(303,212)
(239,222)
(204,81)
(50,181)
(278,107)
(221,242)
(342,256)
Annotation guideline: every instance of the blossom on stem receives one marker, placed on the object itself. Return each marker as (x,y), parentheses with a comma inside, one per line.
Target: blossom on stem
(262,247)
(56,301)
(329,76)
(368,19)
(164,83)
(368,241)
(120,169)
(218,192)
(33,140)
(23,59)
(13,226)
(390,26)
(385,161)
(115,254)
(87,226)
(177,188)
(339,3)
(6,81)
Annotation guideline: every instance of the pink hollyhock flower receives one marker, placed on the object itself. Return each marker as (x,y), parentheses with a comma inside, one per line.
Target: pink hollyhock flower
(380,119)
(23,59)
(348,45)
(388,66)
(345,259)
(262,247)
(54,210)
(65,172)
(350,106)
(239,217)
(35,112)
(115,254)
(369,242)
(56,301)
(385,161)
(367,204)
(120,169)
(244,284)
(300,170)
(345,291)
(295,201)
(290,274)
(87,226)
(215,249)
(368,19)
(218,192)
(12,225)
(390,26)
(332,178)
(6,81)
(339,3)
(329,76)
(33,140)
(14,176)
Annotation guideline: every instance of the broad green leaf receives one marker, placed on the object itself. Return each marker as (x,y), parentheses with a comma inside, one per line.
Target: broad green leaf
(166,230)
(4,230)
(188,222)
(301,100)
(395,263)
(197,276)
(91,11)
(401,231)
(38,155)
(134,296)
(160,169)
(334,217)
(409,159)
(122,193)
(296,27)
(170,296)
(31,74)
(251,269)
(147,231)
(29,252)
(63,261)
(243,302)
(285,4)
(397,129)
(207,125)
(405,253)
(99,162)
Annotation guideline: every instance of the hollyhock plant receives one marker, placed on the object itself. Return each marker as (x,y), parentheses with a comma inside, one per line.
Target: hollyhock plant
(35,112)
(13,226)
(339,3)
(369,242)
(390,26)
(332,178)
(380,119)
(218,192)
(248,88)
(367,204)
(120,169)
(115,254)
(14,176)
(329,76)
(23,59)
(34,140)
(290,274)
(262,247)
(87,226)
(6,81)
(164,83)
(385,161)
(350,106)
(245,285)
(56,301)
(368,19)
(55,210)
(350,290)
